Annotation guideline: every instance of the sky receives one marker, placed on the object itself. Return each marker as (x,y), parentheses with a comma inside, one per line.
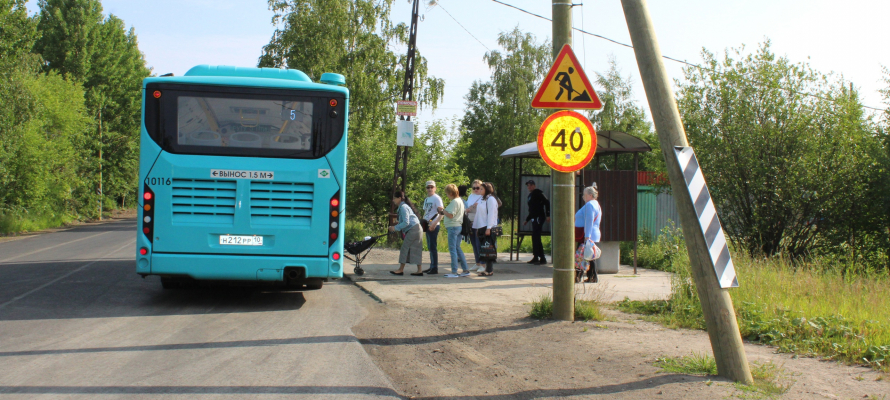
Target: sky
(848,38)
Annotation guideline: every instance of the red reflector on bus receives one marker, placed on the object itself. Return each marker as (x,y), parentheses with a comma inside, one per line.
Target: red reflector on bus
(335,202)
(336,256)
(146,230)
(333,236)
(333,103)
(147,196)
(143,251)
(157,94)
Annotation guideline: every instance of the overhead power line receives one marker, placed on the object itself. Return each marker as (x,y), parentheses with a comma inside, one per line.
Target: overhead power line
(462,26)
(672,58)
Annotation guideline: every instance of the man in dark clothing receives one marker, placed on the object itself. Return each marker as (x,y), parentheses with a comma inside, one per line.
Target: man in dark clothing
(538,213)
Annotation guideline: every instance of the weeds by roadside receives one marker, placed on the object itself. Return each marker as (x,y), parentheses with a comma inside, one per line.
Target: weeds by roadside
(586,309)
(817,309)
(770,380)
(693,364)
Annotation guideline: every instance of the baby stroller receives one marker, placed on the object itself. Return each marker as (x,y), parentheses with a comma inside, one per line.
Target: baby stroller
(360,250)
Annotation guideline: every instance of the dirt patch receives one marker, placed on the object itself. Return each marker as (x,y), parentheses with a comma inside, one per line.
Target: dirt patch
(436,343)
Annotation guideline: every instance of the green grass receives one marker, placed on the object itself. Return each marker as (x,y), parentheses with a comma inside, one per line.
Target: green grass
(770,380)
(11,223)
(541,307)
(809,309)
(693,364)
(586,309)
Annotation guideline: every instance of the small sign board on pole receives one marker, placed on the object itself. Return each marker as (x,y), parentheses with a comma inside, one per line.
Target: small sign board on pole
(405,133)
(406,108)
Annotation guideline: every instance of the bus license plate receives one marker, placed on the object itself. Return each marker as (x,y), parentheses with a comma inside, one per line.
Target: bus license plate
(241,240)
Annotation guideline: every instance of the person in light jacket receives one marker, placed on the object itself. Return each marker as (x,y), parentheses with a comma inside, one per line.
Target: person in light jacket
(412,245)
(486,218)
(473,200)
(454,215)
(589,216)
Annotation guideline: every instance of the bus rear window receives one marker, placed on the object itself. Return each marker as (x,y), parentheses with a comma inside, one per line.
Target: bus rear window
(244,123)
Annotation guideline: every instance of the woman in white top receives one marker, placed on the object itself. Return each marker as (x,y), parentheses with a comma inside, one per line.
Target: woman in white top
(473,200)
(486,218)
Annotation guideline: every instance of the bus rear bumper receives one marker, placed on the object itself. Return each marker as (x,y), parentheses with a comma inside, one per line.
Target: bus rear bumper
(242,268)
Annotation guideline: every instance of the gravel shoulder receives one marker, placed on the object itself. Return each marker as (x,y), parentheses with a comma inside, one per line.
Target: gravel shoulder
(470,338)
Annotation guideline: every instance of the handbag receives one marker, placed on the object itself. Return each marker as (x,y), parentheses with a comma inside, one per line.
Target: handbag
(591,251)
(497,231)
(487,250)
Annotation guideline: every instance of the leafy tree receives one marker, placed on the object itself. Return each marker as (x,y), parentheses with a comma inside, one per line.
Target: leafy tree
(69,34)
(789,155)
(18,32)
(433,159)
(355,38)
(78,42)
(621,113)
(499,115)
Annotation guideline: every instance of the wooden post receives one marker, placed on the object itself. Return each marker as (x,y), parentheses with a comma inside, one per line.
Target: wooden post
(723,329)
(562,226)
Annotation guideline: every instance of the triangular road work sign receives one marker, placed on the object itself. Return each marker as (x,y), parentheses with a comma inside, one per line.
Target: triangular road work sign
(566,85)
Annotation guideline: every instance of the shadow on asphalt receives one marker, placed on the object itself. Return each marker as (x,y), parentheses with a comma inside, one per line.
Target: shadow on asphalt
(626,387)
(440,338)
(111,288)
(189,346)
(244,390)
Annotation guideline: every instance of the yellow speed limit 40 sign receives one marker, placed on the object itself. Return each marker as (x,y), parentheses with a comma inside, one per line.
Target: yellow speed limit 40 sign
(566,141)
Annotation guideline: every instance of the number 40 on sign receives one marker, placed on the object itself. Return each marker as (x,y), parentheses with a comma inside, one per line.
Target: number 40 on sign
(566,141)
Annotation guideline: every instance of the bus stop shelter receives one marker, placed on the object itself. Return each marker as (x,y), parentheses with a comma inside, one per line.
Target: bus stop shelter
(617,192)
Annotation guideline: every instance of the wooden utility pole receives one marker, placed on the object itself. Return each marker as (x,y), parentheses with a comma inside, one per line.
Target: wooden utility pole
(563,191)
(723,328)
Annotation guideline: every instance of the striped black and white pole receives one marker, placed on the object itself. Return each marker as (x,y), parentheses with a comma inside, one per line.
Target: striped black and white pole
(708,221)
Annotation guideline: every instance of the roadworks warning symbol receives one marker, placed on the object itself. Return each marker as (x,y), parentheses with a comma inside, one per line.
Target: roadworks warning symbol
(566,85)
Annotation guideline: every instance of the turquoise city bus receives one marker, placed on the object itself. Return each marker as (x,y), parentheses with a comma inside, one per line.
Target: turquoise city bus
(242,177)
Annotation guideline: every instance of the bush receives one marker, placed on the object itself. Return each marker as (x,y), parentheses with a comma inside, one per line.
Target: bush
(664,252)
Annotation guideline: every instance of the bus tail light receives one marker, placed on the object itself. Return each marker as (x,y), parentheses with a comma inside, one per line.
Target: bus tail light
(336,256)
(143,251)
(148,221)
(335,220)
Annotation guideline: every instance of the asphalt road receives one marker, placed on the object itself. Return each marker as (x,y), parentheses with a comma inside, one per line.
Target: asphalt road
(77,322)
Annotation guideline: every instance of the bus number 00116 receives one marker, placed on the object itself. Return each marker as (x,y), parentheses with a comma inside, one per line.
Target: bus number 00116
(560,140)
(158,181)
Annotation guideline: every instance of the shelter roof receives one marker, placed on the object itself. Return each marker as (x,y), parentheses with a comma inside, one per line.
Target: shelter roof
(607,142)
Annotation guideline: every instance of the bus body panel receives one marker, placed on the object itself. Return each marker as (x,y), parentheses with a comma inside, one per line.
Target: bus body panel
(240,268)
(239,201)
(185,245)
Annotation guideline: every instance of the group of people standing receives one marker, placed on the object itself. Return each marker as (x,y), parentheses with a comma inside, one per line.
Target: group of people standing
(480,208)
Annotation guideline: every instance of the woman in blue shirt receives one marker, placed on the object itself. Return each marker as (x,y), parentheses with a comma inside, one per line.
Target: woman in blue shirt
(589,216)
